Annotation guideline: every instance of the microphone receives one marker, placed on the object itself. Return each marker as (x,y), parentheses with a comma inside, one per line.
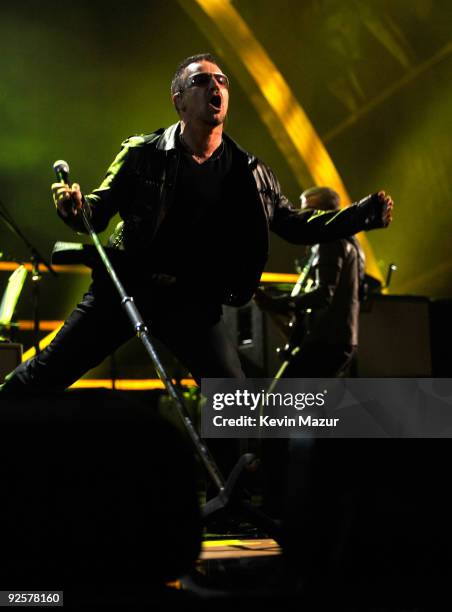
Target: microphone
(61,169)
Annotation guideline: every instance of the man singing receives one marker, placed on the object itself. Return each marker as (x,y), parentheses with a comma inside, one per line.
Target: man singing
(196,210)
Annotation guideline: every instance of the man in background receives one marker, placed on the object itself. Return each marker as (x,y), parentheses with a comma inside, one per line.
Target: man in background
(324,334)
(331,327)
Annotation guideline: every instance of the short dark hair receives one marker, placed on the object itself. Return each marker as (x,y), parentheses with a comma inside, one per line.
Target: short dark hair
(328,198)
(177,83)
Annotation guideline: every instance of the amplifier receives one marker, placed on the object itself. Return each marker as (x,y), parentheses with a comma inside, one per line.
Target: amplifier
(255,335)
(10,357)
(394,337)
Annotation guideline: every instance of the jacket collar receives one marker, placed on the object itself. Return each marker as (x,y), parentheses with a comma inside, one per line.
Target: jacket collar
(168,138)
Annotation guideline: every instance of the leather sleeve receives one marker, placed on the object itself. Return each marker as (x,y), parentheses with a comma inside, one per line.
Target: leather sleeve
(312,227)
(104,202)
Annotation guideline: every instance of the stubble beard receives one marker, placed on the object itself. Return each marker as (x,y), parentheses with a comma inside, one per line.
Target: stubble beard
(215,121)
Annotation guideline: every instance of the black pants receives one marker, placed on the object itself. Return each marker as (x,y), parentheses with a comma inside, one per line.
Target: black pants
(314,360)
(189,326)
(193,332)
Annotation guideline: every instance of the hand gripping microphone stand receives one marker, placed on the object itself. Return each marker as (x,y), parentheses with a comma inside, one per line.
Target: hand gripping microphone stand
(225,488)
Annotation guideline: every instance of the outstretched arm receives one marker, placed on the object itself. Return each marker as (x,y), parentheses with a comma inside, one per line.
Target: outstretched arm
(311,227)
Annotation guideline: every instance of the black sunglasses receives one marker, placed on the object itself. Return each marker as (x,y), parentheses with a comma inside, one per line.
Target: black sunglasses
(202,79)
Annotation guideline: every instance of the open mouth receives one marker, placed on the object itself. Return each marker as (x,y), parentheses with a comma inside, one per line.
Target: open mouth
(215,101)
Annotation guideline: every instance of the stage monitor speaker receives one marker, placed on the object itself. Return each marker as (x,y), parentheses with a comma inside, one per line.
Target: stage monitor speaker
(96,491)
(394,337)
(10,358)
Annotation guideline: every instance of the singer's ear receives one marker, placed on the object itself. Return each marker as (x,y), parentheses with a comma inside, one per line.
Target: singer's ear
(177,101)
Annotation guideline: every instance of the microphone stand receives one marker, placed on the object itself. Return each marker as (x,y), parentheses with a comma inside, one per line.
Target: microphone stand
(391,268)
(35,258)
(224,487)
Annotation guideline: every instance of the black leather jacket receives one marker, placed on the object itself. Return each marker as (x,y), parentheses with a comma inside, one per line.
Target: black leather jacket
(338,270)
(140,185)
